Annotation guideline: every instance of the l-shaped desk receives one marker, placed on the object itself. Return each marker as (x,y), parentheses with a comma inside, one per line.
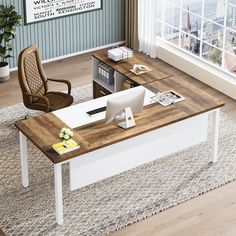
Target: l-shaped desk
(106,149)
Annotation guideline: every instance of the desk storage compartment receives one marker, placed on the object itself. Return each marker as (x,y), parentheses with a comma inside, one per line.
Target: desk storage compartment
(99,91)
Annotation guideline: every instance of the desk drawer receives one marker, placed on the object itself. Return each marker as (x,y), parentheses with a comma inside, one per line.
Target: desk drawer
(99,91)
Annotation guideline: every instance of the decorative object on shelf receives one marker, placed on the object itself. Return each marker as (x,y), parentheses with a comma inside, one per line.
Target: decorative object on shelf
(128,84)
(140,69)
(41,10)
(120,54)
(9,19)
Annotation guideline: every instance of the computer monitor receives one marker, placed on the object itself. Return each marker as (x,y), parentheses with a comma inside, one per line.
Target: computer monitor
(134,100)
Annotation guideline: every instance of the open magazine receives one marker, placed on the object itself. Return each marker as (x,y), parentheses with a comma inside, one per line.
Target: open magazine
(167,98)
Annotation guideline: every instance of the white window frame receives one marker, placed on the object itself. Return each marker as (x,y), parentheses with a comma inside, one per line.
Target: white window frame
(161,20)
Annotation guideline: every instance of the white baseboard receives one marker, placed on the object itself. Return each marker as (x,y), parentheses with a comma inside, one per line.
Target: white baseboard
(76,53)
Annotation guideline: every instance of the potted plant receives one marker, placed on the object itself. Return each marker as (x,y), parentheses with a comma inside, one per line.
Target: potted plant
(9,19)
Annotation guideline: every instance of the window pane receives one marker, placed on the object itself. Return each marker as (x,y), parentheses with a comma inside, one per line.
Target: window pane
(193,6)
(171,35)
(231,17)
(230,41)
(160,6)
(159,28)
(191,23)
(176,2)
(230,63)
(190,44)
(211,54)
(215,10)
(184,30)
(232,2)
(213,34)
(172,15)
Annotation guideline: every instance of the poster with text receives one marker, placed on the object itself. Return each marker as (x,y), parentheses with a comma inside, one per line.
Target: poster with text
(40,10)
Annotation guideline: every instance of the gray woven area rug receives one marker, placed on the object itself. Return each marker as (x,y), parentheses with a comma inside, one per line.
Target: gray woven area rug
(110,204)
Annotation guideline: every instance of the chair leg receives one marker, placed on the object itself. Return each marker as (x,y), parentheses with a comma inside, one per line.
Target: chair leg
(27,116)
(32,113)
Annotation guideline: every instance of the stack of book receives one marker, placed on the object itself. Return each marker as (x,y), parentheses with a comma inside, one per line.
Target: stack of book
(105,73)
(119,54)
(128,84)
(61,149)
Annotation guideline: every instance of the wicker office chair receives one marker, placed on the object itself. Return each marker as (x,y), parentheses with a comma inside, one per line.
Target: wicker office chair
(34,84)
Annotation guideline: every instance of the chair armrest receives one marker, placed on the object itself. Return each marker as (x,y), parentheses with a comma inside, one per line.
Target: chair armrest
(62,81)
(43,99)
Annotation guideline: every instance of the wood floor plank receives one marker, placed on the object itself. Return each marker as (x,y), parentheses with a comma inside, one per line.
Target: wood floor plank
(212,214)
(1,233)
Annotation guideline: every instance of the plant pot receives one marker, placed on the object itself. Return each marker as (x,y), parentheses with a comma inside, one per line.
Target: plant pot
(4,71)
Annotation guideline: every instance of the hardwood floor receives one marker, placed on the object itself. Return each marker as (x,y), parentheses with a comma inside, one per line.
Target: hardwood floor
(212,214)
(1,233)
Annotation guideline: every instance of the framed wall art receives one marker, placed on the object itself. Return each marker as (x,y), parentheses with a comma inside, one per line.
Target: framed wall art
(41,10)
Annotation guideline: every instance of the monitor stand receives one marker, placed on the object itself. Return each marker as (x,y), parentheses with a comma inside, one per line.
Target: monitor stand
(129,119)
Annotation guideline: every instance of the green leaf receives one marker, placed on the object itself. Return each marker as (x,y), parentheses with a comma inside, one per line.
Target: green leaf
(7,36)
(2,50)
(8,29)
(13,31)
(1,38)
(9,45)
(8,56)
(9,19)
(2,22)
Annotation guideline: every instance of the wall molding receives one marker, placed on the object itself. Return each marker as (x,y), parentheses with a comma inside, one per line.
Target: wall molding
(77,53)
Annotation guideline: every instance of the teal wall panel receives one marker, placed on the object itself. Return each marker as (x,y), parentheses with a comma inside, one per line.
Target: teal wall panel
(70,34)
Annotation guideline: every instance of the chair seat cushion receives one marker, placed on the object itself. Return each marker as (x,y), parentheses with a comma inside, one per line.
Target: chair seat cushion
(59,100)
(56,100)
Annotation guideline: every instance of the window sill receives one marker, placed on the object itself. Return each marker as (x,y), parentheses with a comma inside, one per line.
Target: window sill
(190,64)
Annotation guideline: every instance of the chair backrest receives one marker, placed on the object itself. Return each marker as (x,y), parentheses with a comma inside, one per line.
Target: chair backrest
(31,75)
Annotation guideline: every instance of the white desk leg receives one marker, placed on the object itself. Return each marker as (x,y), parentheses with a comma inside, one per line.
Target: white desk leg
(24,161)
(58,193)
(215,136)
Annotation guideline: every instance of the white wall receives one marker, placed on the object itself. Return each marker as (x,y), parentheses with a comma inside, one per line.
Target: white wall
(215,78)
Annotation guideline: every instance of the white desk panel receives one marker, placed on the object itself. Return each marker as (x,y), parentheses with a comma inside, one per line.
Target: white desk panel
(76,116)
(119,157)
